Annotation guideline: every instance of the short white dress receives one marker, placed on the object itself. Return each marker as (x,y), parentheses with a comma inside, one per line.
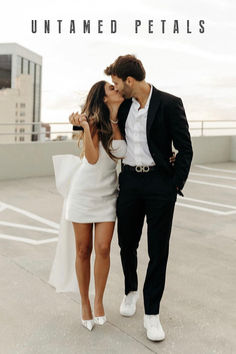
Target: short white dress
(93,190)
(89,193)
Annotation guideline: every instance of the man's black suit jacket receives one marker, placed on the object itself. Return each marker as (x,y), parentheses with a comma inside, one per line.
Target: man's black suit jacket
(166,123)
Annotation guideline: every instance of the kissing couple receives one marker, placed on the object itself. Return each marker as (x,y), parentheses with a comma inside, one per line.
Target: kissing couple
(132,121)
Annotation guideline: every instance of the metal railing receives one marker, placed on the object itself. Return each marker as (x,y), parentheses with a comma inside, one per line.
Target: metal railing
(34,124)
(207,127)
(39,130)
(197,128)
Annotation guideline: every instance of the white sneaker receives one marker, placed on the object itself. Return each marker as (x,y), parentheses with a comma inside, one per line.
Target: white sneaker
(154,328)
(128,305)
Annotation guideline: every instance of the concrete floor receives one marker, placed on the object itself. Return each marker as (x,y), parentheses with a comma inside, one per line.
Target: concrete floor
(198,310)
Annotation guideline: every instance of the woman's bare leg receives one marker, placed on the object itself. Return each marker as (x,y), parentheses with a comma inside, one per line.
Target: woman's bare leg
(84,245)
(103,237)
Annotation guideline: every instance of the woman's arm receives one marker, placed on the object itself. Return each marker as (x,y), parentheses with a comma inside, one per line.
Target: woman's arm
(91,144)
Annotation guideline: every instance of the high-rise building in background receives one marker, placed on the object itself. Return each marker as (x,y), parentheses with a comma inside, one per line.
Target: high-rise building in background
(20,92)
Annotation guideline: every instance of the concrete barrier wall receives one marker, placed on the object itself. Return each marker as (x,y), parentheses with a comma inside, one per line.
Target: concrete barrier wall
(22,160)
(210,149)
(32,159)
(233,148)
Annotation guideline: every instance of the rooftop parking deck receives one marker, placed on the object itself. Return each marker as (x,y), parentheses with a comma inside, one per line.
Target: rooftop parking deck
(198,310)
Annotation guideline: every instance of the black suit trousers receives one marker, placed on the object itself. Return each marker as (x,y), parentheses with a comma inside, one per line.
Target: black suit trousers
(153,195)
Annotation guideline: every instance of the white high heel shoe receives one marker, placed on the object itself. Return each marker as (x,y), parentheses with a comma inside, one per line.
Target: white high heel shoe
(100,320)
(89,324)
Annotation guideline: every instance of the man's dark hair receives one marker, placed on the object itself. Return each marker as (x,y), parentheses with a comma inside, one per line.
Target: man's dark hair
(127,65)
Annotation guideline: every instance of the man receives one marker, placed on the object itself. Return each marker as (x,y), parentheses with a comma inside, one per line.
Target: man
(150,120)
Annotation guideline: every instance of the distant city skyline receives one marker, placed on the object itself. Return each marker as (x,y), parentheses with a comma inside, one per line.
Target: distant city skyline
(20,92)
(200,68)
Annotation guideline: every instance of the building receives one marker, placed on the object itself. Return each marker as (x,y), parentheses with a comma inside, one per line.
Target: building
(45,130)
(20,93)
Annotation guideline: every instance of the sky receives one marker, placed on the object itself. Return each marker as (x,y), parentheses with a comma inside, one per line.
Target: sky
(198,67)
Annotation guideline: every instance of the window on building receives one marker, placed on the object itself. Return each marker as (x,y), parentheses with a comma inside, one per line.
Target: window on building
(36,73)
(22,114)
(25,66)
(5,71)
(22,66)
(32,69)
(22,138)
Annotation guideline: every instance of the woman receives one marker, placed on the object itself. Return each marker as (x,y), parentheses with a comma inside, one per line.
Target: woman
(91,200)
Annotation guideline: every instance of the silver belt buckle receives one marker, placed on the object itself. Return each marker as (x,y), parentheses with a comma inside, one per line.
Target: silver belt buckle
(146,168)
(142,169)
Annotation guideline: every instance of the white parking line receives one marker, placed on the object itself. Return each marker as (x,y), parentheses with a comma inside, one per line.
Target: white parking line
(28,240)
(30,215)
(208,210)
(215,169)
(211,184)
(28,227)
(54,230)
(212,211)
(210,203)
(214,176)
(2,207)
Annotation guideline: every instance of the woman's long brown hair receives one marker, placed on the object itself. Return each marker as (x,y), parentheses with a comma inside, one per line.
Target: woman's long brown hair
(98,117)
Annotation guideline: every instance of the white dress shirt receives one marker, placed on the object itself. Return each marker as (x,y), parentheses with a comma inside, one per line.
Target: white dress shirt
(135,130)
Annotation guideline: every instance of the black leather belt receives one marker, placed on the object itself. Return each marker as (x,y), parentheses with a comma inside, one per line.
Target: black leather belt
(138,169)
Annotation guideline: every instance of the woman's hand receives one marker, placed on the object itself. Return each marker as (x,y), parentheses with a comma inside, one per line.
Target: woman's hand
(78,120)
(172,159)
